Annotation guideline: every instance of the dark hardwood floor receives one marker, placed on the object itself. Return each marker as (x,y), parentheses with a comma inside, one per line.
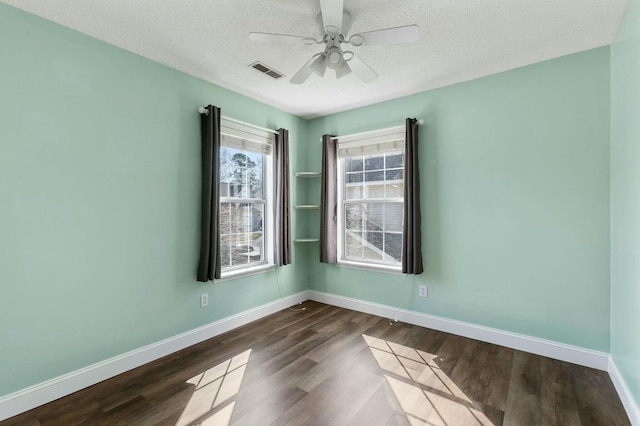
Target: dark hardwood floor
(331,366)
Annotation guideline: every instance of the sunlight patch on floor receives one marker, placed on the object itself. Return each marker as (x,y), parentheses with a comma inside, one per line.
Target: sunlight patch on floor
(214,387)
(220,417)
(425,393)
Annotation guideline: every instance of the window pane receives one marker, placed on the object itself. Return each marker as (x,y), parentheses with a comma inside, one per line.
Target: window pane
(375,239)
(393,246)
(377,176)
(225,250)
(374,217)
(241,234)
(353,164)
(241,174)
(374,162)
(394,160)
(227,213)
(373,232)
(354,177)
(374,190)
(353,191)
(394,190)
(394,174)
(393,217)
(255,174)
(358,248)
(353,185)
(353,245)
(224,154)
(372,246)
(374,184)
(354,217)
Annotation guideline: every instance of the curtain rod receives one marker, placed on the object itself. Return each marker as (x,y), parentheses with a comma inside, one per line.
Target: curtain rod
(203,110)
(420,122)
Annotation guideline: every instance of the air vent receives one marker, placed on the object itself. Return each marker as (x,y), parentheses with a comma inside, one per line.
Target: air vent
(266,70)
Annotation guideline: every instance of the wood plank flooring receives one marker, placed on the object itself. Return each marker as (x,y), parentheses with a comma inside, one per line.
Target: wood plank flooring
(331,366)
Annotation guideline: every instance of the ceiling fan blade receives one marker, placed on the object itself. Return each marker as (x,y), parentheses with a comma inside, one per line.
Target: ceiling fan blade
(362,70)
(406,34)
(319,66)
(332,11)
(303,74)
(343,70)
(281,38)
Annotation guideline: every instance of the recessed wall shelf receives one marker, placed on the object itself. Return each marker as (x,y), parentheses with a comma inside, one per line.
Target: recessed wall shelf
(307,207)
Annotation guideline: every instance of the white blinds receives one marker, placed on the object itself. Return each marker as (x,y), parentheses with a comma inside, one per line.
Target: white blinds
(371,143)
(234,135)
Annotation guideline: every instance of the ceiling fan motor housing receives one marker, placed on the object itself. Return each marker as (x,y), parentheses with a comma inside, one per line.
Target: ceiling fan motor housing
(333,51)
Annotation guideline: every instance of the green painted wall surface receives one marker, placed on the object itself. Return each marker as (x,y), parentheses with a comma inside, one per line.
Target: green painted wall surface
(515,199)
(625,198)
(99,202)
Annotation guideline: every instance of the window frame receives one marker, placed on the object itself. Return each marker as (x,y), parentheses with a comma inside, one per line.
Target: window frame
(369,143)
(251,140)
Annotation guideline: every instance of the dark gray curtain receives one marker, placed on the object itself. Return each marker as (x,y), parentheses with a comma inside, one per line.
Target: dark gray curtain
(210,266)
(282,207)
(412,241)
(329,202)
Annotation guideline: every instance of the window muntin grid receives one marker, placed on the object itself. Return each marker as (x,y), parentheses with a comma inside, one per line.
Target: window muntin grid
(242,208)
(372,208)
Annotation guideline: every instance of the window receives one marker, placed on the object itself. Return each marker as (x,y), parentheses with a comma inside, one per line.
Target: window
(246,222)
(371,200)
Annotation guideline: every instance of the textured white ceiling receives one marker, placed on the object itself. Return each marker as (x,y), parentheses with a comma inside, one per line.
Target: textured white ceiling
(459,40)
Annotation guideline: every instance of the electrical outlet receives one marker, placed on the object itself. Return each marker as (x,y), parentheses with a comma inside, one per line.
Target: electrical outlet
(204,300)
(422,290)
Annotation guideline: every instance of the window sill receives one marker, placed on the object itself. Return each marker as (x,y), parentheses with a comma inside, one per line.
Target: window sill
(371,267)
(241,273)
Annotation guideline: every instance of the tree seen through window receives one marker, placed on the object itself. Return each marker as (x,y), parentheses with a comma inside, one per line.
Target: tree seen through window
(242,208)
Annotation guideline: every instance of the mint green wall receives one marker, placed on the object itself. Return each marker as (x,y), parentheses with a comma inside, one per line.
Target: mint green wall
(99,192)
(99,202)
(625,199)
(515,198)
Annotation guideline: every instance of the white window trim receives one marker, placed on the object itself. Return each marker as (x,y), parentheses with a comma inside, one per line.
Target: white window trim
(371,267)
(258,141)
(388,140)
(246,272)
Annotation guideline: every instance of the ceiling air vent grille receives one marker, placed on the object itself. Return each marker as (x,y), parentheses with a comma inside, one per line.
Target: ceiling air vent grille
(266,70)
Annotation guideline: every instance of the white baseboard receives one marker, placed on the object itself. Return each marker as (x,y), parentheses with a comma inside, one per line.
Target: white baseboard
(42,393)
(548,348)
(629,403)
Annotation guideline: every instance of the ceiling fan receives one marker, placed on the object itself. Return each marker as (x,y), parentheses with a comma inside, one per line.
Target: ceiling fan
(335,23)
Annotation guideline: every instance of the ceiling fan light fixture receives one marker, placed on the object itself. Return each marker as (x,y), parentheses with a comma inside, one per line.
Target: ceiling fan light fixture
(335,57)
